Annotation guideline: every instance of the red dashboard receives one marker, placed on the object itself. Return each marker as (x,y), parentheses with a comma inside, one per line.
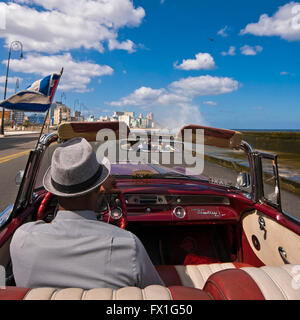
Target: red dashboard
(178,207)
(180,201)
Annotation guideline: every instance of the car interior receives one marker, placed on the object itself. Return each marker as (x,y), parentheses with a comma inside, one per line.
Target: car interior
(207,242)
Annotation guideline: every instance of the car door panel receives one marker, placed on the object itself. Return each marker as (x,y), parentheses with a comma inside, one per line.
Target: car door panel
(266,235)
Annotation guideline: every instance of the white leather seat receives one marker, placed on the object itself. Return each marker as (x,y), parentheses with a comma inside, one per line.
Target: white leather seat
(222,282)
(196,275)
(277,283)
(153,292)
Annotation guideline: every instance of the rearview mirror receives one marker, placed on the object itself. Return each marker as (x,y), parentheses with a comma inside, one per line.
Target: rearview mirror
(19,177)
(243,180)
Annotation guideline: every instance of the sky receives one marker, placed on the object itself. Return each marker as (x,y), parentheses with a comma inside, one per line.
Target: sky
(227,64)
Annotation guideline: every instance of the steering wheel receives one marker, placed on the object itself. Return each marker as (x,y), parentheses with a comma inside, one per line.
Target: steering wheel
(42,208)
(121,222)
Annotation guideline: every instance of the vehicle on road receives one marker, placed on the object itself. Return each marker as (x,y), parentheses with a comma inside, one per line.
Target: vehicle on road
(213,231)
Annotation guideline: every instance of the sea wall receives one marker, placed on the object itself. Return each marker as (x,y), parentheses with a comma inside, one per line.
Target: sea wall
(273,141)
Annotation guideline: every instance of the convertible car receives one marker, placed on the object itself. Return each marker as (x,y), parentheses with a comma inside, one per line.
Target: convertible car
(215,231)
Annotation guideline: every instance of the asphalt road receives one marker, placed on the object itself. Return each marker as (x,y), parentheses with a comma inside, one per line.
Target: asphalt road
(14,152)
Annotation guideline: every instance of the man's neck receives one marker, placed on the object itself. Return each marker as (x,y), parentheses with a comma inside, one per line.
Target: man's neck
(75,208)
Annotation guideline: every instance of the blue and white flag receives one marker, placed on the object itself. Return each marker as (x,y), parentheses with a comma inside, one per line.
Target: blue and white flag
(36,98)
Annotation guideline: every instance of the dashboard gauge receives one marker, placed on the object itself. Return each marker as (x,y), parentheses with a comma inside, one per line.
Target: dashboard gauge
(116,214)
(179,212)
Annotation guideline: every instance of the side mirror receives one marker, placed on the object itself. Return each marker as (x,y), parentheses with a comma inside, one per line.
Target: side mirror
(243,180)
(19,177)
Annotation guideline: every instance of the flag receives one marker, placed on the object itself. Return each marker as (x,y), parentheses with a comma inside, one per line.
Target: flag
(36,98)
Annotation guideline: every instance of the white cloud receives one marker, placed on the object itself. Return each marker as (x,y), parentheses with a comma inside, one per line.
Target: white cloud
(230,52)
(8,90)
(178,97)
(285,73)
(223,32)
(180,116)
(77,75)
(60,25)
(11,84)
(146,96)
(179,92)
(2,18)
(127,45)
(202,61)
(210,103)
(251,51)
(204,85)
(285,23)
(10,80)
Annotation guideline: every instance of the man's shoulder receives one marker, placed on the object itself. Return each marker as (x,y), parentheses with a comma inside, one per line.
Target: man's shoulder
(115,230)
(29,227)
(23,233)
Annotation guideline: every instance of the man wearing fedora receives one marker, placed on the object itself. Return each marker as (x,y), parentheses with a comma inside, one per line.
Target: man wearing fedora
(77,250)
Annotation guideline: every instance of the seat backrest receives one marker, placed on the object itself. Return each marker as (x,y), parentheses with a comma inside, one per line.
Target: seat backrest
(249,283)
(154,292)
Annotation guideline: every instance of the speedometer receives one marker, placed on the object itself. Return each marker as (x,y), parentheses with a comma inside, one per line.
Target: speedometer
(179,212)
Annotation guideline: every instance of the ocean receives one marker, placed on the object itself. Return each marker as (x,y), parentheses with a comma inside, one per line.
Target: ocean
(285,143)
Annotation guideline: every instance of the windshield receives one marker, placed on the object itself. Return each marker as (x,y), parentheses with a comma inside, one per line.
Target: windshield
(167,159)
(14,151)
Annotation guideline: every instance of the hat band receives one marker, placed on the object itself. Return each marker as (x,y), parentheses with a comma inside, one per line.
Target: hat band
(75,188)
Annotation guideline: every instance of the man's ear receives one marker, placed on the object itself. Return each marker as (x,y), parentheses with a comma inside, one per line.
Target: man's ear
(97,190)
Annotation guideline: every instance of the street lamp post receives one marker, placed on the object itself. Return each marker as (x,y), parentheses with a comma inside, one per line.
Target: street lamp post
(76,103)
(15,45)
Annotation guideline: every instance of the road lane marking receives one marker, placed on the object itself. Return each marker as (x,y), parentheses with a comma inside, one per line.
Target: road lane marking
(14,156)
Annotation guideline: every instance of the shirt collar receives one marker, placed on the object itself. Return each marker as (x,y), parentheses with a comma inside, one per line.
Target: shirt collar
(73,215)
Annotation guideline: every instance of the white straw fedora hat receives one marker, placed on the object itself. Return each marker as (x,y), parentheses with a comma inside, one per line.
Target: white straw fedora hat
(74,169)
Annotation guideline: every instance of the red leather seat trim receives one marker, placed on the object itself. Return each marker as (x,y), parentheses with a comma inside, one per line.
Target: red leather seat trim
(169,275)
(239,265)
(13,293)
(232,284)
(185,293)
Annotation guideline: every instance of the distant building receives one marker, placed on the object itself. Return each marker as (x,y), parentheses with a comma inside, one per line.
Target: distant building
(150,116)
(36,118)
(144,123)
(135,123)
(7,114)
(104,118)
(91,118)
(19,117)
(130,119)
(125,118)
(52,109)
(77,116)
(61,113)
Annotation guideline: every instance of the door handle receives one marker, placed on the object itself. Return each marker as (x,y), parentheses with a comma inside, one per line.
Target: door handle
(262,226)
(283,255)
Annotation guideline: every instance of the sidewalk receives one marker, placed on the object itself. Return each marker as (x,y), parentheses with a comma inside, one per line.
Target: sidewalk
(17,133)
